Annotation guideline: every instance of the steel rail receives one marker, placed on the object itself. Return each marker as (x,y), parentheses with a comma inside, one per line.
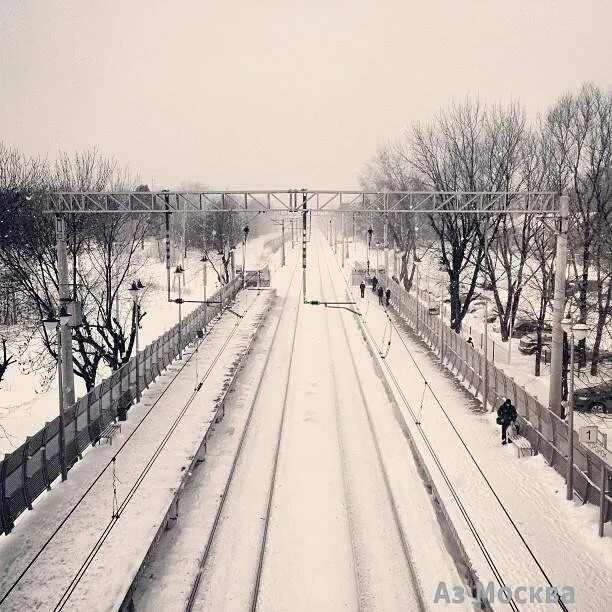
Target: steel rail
(144,472)
(262,551)
(211,537)
(97,478)
(343,464)
(408,555)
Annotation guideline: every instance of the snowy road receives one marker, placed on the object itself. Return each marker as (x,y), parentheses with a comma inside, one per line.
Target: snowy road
(310,498)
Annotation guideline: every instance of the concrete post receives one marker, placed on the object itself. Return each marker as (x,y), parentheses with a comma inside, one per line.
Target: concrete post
(485,383)
(64,300)
(343,239)
(570,426)
(283,242)
(556,362)
(167,215)
(304,222)
(385,244)
(335,231)
(180,329)
(62,428)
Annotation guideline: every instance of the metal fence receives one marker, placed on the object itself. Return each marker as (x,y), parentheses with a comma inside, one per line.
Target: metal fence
(547,433)
(30,469)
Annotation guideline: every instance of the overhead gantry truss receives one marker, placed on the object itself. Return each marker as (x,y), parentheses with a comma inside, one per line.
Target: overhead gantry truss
(305,202)
(292,201)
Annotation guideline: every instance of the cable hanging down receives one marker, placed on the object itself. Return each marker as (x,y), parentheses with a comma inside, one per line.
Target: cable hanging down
(418,421)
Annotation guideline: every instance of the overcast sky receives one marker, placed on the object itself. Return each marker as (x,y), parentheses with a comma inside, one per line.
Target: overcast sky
(275,93)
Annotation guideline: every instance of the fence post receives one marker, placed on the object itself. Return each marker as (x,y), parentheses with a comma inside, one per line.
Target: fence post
(43,458)
(76,430)
(24,472)
(110,402)
(602,499)
(587,488)
(89,415)
(5,511)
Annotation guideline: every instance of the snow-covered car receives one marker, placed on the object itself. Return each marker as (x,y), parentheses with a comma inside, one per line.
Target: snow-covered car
(524,327)
(594,399)
(529,343)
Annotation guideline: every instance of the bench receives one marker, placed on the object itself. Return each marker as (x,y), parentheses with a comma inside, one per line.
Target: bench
(109,432)
(523,446)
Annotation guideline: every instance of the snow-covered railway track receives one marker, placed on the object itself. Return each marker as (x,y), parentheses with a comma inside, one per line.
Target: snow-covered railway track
(268,378)
(148,460)
(363,555)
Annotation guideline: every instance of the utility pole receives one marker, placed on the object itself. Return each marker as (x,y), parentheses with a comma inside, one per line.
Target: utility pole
(485,382)
(343,239)
(180,309)
(117,292)
(283,242)
(204,282)
(346,242)
(67,379)
(556,361)
(304,222)
(335,226)
(385,244)
(167,214)
(418,300)
(184,236)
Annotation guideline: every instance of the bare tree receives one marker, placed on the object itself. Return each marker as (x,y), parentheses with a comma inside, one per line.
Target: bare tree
(390,170)
(448,155)
(6,359)
(101,250)
(514,163)
(578,129)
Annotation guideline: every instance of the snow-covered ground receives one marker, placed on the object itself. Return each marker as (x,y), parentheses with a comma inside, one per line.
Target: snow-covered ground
(26,404)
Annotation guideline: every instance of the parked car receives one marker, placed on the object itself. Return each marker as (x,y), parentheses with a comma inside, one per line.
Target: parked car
(604,356)
(529,343)
(594,399)
(522,327)
(486,285)
(434,309)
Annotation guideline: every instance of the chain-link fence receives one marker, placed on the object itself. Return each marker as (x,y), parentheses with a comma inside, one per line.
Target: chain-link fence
(547,433)
(30,469)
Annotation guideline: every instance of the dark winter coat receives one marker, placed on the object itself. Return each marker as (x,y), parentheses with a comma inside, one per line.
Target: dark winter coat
(374,283)
(380,292)
(506,414)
